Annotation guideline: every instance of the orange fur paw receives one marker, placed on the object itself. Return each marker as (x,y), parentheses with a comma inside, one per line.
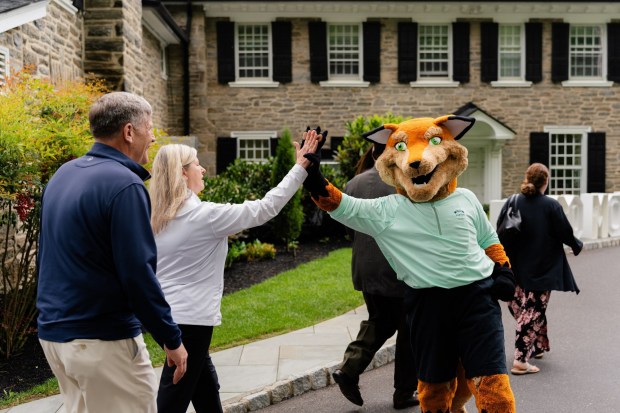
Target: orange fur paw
(332,201)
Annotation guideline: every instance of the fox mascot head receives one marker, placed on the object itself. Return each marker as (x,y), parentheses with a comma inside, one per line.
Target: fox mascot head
(422,157)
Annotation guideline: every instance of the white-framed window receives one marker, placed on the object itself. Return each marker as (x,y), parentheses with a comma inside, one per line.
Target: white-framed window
(4,65)
(510,60)
(434,51)
(568,160)
(253,51)
(254,146)
(586,52)
(344,51)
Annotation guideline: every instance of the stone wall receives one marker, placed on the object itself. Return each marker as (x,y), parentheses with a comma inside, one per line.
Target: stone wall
(134,69)
(301,103)
(52,46)
(155,88)
(103,56)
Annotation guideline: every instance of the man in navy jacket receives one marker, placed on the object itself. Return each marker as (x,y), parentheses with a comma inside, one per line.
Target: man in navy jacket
(96,264)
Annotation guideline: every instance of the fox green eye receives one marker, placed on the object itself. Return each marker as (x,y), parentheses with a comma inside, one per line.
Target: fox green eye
(400,146)
(435,140)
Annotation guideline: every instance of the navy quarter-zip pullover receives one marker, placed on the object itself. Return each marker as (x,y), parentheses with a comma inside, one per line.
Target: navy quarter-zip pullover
(97,255)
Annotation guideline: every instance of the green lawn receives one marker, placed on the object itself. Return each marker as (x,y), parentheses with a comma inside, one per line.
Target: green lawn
(313,292)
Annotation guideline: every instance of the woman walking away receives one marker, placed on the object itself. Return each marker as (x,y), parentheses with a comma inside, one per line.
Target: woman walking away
(192,243)
(539,264)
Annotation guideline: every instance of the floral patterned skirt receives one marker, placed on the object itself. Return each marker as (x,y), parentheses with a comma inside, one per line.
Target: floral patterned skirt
(529,309)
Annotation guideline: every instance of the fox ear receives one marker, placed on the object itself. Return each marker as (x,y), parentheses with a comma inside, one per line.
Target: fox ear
(457,125)
(380,134)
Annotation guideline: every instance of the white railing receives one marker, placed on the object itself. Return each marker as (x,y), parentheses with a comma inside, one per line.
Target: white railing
(593,216)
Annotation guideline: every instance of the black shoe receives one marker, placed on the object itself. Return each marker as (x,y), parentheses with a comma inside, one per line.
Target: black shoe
(403,400)
(348,387)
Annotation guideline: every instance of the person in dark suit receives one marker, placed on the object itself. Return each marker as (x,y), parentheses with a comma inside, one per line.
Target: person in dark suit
(539,264)
(383,294)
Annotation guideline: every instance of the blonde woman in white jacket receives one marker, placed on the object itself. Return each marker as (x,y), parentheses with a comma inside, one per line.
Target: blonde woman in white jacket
(192,243)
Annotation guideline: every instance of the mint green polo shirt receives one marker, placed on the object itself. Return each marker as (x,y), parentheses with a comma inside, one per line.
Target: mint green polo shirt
(429,244)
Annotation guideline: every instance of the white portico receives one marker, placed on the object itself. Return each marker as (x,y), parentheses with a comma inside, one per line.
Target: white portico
(484,142)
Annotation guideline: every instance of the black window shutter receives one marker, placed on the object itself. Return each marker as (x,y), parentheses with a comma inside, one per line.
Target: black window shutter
(560,33)
(539,148)
(372,51)
(460,42)
(317,32)
(488,50)
(613,52)
(282,54)
(273,144)
(596,162)
(226,153)
(407,52)
(225,52)
(533,52)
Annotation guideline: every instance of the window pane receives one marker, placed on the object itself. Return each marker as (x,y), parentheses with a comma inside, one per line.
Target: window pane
(433,53)
(253,50)
(510,51)
(254,150)
(565,164)
(586,52)
(344,51)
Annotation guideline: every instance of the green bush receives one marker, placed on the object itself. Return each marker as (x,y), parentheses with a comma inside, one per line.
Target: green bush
(286,226)
(251,251)
(241,181)
(236,249)
(354,145)
(41,127)
(258,251)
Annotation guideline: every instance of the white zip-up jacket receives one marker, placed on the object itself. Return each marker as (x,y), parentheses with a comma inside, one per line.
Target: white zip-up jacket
(192,248)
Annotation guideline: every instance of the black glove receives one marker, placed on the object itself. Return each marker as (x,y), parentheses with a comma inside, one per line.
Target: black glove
(504,283)
(316,183)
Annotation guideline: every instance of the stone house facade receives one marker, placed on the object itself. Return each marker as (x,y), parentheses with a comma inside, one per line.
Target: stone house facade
(541,78)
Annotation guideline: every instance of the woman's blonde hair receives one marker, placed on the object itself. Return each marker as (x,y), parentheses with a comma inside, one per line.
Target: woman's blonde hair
(536,177)
(168,189)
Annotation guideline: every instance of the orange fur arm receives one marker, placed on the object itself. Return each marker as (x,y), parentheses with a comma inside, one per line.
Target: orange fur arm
(330,202)
(497,254)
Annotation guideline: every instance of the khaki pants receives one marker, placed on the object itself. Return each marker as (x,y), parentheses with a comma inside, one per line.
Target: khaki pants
(97,376)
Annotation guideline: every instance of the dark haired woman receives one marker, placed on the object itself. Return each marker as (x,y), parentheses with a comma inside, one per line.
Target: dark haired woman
(539,264)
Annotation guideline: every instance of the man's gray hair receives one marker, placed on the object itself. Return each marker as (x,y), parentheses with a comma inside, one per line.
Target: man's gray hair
(114,110)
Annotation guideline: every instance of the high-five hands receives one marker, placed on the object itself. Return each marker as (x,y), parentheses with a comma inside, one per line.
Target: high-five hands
(310,144)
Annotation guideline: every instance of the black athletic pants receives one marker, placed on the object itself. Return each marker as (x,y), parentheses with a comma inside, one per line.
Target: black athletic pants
(199,384)
(385,317)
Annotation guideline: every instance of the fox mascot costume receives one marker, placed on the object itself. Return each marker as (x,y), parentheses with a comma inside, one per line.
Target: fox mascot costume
(440,242)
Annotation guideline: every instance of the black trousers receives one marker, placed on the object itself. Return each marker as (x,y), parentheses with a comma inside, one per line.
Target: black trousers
(456,324)
(199,385)
(385,317)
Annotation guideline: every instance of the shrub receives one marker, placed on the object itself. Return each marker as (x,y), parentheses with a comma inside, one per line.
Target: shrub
(236,249)
(258,251)
(253,251)
(286,226)
(241,181)
(354,145)
(41,127)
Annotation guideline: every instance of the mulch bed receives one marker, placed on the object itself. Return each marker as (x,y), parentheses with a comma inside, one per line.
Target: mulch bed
(30,367)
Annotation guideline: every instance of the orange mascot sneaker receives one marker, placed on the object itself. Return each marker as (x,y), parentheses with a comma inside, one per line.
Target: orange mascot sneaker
(438,239)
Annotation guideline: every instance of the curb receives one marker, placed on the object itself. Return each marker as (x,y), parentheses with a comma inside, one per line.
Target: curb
(297,385)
